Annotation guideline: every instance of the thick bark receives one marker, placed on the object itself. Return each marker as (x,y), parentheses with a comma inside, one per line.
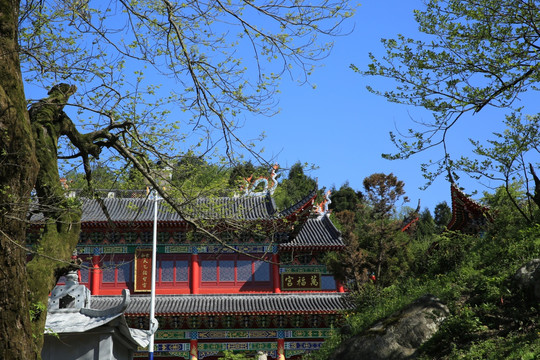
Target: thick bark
(18,170)
(27,159)
(62,217)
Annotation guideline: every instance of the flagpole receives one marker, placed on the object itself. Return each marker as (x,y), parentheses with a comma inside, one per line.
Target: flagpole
(154,268)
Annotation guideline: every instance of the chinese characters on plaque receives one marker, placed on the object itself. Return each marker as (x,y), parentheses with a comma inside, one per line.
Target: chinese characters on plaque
(143,270)
(301,281)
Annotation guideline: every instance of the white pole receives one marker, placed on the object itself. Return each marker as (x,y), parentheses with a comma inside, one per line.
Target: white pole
(154,268)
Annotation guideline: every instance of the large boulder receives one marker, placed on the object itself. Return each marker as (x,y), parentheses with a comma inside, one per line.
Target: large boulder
(398,336)
(527,279)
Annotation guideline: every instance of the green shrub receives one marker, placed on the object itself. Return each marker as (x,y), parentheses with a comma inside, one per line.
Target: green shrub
(230,355)
(458,329)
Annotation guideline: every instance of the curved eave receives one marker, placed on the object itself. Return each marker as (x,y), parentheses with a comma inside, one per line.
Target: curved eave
(462,205)
(316,233)
(300,207)
(139,212)
(217,224)
(467,202)
(134,210)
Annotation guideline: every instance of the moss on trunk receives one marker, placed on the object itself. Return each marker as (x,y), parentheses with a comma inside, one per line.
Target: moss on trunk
(60,231)
(59,239)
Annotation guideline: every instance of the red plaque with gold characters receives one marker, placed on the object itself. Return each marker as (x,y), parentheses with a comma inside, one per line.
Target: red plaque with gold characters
(143,270)
(301,281)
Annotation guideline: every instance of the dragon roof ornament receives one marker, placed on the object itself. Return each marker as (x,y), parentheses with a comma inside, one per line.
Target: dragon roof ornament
(270,184)
(322,208)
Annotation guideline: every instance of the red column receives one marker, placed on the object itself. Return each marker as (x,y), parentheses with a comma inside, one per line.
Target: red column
(96,273)
(340,287)
(280,349)
(195,274)
(275,273)
(193,350)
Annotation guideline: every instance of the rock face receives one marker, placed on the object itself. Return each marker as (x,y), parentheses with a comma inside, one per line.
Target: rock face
(527,279)
(398,336)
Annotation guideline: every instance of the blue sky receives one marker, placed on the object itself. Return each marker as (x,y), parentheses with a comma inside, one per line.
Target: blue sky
(344,129)
(339,126)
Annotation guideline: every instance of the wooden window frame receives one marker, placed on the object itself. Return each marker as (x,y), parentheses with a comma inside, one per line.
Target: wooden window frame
(250,285)
(175,284)
(117,260)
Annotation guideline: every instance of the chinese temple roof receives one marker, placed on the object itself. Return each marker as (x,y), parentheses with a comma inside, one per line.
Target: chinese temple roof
(467,214)
(318,232)
(142,210)
(248,208)
(232,304)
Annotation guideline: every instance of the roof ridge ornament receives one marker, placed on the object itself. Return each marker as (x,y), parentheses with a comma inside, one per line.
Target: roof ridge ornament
(322,208)
(117,309)
(270,184)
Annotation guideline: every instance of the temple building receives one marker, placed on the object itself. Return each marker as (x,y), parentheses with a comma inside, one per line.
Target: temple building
(253,281)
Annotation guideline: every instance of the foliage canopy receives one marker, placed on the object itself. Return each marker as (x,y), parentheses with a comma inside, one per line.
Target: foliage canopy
(474,54)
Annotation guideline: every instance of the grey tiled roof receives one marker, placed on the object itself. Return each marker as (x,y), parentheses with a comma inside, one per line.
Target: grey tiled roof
(142,210)
(306,303)
(316,232)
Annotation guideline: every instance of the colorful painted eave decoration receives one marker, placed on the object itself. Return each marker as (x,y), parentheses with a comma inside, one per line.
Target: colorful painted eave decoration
(465,210)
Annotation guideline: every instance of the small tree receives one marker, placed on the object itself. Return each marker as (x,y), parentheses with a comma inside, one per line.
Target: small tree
(346,198)
(230,355)
(426,227)
(508,219)
(443,215)
(372,233)
(353,265)
(383,193)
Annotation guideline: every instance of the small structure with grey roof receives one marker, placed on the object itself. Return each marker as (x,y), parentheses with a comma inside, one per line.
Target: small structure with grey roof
(75,331)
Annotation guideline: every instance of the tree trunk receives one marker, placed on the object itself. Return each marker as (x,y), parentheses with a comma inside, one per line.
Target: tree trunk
(61,228)
(18,171)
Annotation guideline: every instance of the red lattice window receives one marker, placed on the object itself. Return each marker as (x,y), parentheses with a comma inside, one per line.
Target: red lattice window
(117,271)
(173,271)
(235,271)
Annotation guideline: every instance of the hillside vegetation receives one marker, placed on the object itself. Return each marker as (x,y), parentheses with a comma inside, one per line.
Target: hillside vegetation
(472,273)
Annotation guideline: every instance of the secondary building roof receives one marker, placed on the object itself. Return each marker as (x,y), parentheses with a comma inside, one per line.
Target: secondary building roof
(318,233)
(68,312)
(232,304)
